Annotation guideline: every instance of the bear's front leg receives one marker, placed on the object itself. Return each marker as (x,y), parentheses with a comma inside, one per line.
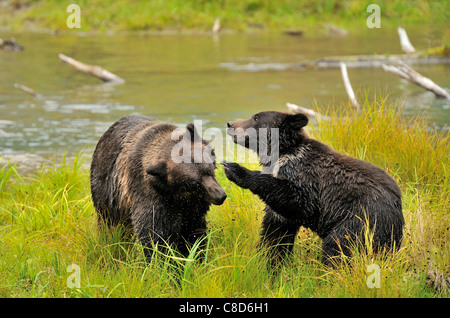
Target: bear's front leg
(193,230)
(283,196)
(155,227)
(238,174)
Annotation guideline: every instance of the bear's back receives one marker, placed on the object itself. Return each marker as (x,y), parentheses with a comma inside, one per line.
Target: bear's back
(367,175)
(111,142)
(331,167)
(110,168)
(337,184)
(352,187)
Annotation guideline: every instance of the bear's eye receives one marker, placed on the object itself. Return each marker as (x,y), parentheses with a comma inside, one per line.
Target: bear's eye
(255,118)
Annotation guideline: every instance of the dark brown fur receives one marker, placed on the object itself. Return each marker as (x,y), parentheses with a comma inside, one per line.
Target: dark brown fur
(312,185)
(135,182)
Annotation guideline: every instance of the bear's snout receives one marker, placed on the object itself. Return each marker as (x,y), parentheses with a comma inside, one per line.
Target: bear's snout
(219,197)
(238,127)
(216,194)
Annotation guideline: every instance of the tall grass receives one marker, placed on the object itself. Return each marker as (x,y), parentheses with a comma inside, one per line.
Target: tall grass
(418,158)
(47,223)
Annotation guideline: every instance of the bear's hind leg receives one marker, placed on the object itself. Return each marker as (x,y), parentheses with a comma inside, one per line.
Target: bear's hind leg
(278,235)
(341,240)
(155,229)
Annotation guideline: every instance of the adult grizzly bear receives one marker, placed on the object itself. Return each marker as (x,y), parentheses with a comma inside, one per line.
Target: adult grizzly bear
(138,180)
(312,185)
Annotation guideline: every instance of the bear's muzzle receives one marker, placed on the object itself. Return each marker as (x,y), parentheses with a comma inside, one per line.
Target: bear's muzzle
(216,195)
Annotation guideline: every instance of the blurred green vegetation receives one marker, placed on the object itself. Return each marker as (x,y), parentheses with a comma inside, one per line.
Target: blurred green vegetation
(199,15)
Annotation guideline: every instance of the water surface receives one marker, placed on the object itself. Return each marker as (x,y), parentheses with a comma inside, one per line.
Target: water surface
(179,78)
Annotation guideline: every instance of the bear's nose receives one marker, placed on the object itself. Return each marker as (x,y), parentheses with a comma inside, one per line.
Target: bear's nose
(224,196)
(219,199)
(229,124)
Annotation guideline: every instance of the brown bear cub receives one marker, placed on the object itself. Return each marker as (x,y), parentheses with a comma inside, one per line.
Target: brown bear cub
(311,185)
(138,179)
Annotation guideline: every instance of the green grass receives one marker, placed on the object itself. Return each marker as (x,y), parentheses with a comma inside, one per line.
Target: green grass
(103,15)
(48,222)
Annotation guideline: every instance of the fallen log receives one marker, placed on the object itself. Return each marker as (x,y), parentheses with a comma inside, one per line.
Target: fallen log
(377,60)
(348,87)
(93,70)
(404,71)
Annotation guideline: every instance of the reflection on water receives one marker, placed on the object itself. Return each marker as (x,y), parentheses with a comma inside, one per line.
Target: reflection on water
(179,78)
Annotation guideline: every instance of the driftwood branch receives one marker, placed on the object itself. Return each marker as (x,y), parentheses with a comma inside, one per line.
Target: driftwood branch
(26,89)
(334,30)
(348,87)
(308,112)
(360,61)
(404,41)
(216,27)
(93,70)
(404,71)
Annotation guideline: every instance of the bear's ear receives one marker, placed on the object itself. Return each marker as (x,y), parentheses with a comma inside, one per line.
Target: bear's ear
(158,169)
(193,132)
(296,121)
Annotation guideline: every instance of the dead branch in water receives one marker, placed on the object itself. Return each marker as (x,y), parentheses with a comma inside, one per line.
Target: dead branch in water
(348,87)
(404,71)
(26,89)
(93,70)
(216,27)
(307,111)
(404,41)
(362,61)
(334,30)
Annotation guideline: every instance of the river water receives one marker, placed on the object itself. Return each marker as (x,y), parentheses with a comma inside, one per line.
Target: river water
(179,78)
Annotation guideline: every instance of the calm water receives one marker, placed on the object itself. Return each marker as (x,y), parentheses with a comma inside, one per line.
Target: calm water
(179,78)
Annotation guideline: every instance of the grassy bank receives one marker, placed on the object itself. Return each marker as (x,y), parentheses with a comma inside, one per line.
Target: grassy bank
(48,222)
(102,15)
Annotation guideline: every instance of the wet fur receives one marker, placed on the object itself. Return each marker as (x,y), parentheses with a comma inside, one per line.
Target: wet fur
(312,185)
(134,183)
